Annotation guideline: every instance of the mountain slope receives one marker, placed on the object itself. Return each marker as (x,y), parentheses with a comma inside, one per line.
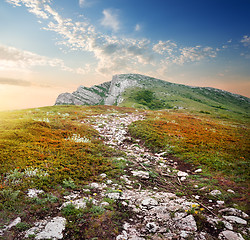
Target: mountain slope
(128,90)
(107,172)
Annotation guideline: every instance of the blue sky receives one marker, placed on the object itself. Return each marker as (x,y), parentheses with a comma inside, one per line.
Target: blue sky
(52,46)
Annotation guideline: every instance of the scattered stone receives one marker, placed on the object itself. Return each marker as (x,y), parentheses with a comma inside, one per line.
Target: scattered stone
(142,174)
(197,197)
(182,174)
(32,193)
(103,204)
(103,175)
(228,225)
(235,212)
(114,195)
(187,223)
(151,227)
(71,196)
(48,229)
(97,185)
(230,235)
(109,181)
(198,170)
(12,224)
(235,219)
(220,202)
(231,191)
(215,193)
(79,203)
(183,179)
(184,234)
(123,236)
(196,186)
(149,202)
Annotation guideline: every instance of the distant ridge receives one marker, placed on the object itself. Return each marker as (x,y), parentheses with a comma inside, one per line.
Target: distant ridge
(126,90)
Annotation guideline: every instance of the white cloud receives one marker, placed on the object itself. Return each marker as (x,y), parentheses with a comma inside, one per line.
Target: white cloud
(34,6)
(246,41)
(110,20)
(13,57)
(113,54)
(166,47)
(194,54)
(137,27)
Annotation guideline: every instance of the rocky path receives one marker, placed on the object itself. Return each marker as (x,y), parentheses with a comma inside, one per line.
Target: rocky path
(149,191)
(156,190)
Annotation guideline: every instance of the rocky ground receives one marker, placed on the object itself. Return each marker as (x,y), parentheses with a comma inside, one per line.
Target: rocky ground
(159,191)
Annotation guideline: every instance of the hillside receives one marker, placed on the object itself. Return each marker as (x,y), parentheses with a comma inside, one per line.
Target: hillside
(138,91)
(109,172)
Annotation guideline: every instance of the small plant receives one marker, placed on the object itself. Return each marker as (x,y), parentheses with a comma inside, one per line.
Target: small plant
(96,210)
(195,209)
(69,183)
(22,226)
(15,176)
(9,194)
(70,210)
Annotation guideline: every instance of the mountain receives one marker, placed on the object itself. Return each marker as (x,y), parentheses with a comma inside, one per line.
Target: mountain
(139,91)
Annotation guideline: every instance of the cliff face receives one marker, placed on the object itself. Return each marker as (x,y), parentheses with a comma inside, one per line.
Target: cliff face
(108,93)
(85,96)
(118,85)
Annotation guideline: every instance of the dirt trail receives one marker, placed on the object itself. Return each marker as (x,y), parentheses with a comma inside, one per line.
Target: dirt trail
(150,186)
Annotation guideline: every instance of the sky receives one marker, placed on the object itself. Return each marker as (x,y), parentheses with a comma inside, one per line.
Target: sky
(52,46)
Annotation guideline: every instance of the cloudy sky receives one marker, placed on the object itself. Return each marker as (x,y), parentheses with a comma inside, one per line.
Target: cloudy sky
(53,46)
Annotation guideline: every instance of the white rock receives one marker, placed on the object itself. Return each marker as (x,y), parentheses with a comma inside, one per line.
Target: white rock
(34,192)
(103,175)
(148,202)
(197,197)
(196,186)
(187,223)
(184,234)
(124,203)
(235,219)
(13,223)
(142,174)
(109,181)
(228,225)
(183,179)
(52,230)
(113,195)
(215,192)
(104,204)
(151,227)
(71,196)
(231,191)
(234,211)
(230,235)
(123,236)
(97,185)
(78,203)
(182,174)
(198,170)
(220,202)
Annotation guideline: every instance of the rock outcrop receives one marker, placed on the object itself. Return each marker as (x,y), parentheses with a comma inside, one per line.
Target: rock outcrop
(85,96)
(108,93)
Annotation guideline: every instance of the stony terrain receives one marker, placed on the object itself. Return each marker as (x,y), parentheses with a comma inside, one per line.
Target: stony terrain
(152,191)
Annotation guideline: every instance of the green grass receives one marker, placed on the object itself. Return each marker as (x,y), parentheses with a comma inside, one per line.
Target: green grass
(52,149)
